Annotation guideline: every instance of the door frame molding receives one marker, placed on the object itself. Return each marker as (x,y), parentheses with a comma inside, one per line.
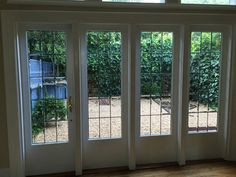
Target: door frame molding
(24,70)
(10,21)
(175,29)
(101,27)
(224,84)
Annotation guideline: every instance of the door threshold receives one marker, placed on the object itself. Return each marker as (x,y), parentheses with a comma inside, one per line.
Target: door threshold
(155,165)
(66,174)
(193,162)
(105,170)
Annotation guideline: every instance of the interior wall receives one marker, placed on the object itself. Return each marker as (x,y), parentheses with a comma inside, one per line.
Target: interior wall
(4,160)
(233,110)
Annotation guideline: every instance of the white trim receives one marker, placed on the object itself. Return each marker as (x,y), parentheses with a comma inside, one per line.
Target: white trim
(226,92)
(77,101)
(133,102)
(172,137)
(87,143)
(224,84)
(169,4)
(182,91)
(230,152)
(13,92)
(5,172)
(30,148)
(174,76)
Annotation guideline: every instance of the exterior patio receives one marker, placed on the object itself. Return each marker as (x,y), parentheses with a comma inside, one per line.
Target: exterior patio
(110,127)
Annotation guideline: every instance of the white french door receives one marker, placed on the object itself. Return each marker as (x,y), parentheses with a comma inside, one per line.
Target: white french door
(47,77)
(156,130)
(181,100)
(208,76)
(104,76)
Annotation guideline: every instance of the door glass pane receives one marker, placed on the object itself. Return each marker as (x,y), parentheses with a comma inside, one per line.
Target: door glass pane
(204,81)
(48,86)
(156,72)
(104,84)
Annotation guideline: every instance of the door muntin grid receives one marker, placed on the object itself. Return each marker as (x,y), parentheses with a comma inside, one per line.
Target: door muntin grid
(104,85)
(206,53)
(47,60)
(156,77)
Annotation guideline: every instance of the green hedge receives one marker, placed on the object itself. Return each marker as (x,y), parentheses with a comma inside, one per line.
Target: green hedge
(104,66)
(156,62)
(46,110)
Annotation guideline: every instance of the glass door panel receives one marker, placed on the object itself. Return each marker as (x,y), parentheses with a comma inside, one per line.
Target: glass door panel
(104,85)
(156,74)
(157,140)
(48,126)
(105,124)
(204,81)
(207,72)
(48,86)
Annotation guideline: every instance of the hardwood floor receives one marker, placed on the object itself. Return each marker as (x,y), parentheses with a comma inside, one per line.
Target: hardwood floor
(209,169)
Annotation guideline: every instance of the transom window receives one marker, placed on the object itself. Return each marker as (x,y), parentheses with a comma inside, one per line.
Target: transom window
(130,3)
(136,1)
(212,2)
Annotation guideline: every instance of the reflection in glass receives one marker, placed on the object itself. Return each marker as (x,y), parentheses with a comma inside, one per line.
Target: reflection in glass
(48,86)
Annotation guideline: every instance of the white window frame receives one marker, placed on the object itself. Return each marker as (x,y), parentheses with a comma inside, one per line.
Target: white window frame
(175,30)
(10,22)
(24,64)
(91,3)
(225,81)
(170,4)
(232,2)
(84,28)
(224,73)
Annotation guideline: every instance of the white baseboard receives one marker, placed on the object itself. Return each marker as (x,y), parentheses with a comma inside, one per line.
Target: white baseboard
(4,172)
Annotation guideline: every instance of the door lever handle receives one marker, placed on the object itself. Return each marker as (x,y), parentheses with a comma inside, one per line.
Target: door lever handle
(69,104)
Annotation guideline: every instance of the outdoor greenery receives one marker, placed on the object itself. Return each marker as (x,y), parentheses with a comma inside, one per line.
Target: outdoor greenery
(104,67)
(156,63)
(205,67)
(47,110)
(104,63)
(49,47)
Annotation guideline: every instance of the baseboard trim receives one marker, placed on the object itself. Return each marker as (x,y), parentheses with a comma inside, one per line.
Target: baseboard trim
(4,172)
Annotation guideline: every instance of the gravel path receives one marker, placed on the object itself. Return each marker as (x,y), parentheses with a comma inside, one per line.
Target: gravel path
(111,128)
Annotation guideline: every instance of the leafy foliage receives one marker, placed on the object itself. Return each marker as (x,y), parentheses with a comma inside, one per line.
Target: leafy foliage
(104,67)
(50,47)
(156,63)
(205,67)
(46,110)
(104,63)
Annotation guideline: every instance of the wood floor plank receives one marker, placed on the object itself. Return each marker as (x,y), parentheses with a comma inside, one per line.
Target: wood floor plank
(209,169)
